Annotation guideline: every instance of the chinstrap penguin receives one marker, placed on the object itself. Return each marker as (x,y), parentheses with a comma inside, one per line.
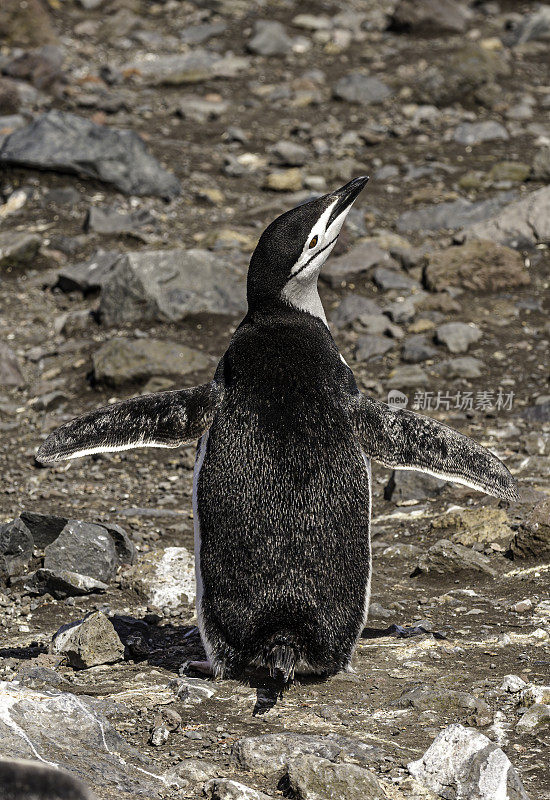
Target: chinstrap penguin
(282,487)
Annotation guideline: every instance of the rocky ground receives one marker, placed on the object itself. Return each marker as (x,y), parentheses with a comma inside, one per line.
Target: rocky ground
(143,148)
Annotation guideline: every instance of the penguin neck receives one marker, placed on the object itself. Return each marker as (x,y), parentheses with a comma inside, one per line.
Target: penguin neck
(307,302)
(305,297)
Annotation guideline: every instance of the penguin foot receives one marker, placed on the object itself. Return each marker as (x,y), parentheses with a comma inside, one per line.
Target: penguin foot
(202,667)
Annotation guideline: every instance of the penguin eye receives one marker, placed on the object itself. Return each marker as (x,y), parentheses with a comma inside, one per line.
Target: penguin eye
(313,242)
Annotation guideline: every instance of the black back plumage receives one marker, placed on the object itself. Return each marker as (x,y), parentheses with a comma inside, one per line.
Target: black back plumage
(284,499)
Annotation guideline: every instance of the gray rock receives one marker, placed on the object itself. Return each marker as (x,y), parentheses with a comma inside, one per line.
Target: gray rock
(190,772)
(355,263)
(457,336)
(270,39)
(70,731)
(466,367)
(352,307)
(290,154)
(477,132)
(18,248)
(371,345)
(31,780)
(88,276)
(201,110)
(44,528)
(271,754)
(16,547)
(355,87)
(535,719)
(406,487)
(111,221)
(380,324)
(464,764)
(451,216)
(404,308)
(477,266)
(197,34)
(409,376)
(10,370)
(447,701)
(121,361)
(445,557)
(62,583)
(196,66)
(125,548)
(225,789)
(313,778)
(88,642)
(387,279)
(416,349)
(64,142)
(524,222)
(541,165)
(430,16)
(533,26)
(84,548)
(169,285)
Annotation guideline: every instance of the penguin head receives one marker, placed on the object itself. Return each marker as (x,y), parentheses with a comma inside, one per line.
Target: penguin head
(291,251)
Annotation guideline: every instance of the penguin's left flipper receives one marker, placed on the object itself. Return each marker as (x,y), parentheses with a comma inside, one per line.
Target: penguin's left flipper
(165,419)
(404,440)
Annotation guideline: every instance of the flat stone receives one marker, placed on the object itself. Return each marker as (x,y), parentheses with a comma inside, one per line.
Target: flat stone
(479,265)
(354,264)
(446,557)
(452,215)
(226,789)
(417,349)
(432,17)
(71,731)
(112,221)
(457,336)
(380,324)
(355,87)
(270,754)
(201,110)
(16,547)
(84,548)
(408,376)
(525,222)
(32,779)
(10,369)
(514,171)
(387,279)
(18,248)
(314,778)
(447,701)
(165,578)
(478,132)
(197,34)
(189,773)
(121,361)
(475,525)
(465,762)
(352,307)
(370,345)
(62,583)
(269,39)
(88,642)
(62,142)
(408,487)
(290,154)
(90,275)
(44,528)
(168,286)
(465,367)
(196,66)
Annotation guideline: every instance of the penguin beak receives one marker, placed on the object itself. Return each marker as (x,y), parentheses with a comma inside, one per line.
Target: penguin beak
(345,197)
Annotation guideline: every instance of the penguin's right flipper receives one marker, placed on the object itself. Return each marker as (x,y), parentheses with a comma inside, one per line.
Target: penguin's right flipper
(404,440)
(165,419)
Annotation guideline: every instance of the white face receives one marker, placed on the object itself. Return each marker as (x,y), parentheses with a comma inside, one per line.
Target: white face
(301,288)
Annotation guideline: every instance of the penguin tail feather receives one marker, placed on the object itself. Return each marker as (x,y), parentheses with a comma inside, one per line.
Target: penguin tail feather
(281,657)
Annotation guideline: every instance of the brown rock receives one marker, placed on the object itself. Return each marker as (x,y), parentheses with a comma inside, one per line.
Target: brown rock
(473,525)
(430,16)
(26,24)
(533,537)
(478,265)
(9,97)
